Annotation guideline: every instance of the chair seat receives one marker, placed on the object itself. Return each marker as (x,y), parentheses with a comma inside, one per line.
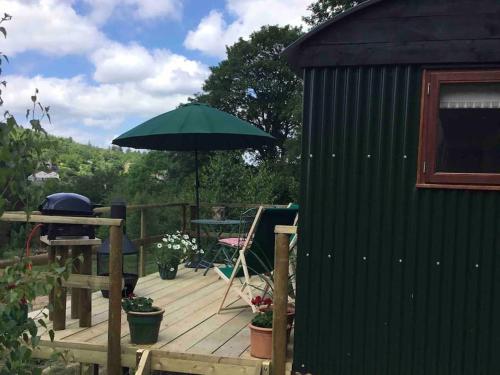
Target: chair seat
(232,241)
(226,270)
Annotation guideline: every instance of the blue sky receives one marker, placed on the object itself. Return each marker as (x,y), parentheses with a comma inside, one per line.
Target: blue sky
(104,66)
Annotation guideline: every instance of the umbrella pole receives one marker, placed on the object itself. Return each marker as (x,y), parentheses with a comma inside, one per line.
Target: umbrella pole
(197,197)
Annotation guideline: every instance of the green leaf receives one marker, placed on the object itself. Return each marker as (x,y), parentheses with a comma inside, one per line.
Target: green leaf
(3,31)
(42,323)
(51,335)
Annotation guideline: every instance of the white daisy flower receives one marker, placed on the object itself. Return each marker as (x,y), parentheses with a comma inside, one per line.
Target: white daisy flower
(201,251)
(186,237)
(193,240)
(172,269)
(177,247)
(164,240)
(159,246)
(194,247)
(169,246)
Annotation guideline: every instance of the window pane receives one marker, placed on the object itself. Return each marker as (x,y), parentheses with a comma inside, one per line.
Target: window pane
(468,133)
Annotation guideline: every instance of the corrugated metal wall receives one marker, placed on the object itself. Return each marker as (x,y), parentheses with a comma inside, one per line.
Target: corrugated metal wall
(391,279)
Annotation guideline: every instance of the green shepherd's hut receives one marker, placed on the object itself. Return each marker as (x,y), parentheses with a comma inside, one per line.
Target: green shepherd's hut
(399,233)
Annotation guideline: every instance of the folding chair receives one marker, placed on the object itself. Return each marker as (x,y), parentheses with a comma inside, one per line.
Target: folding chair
(256,257)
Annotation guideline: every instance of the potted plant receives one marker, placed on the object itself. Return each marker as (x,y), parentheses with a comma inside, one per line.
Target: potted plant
(171,251)
(261,329)
(266,304)
(143,318)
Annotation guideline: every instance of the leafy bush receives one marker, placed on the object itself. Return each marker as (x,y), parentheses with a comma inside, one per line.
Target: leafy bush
(138,304)
(19,285)
(263,319)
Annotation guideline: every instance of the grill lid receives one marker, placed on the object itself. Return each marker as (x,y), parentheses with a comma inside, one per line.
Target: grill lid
(67,204)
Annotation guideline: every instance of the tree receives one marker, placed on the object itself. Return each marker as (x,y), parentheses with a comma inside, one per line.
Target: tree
(323,10)
(255,84)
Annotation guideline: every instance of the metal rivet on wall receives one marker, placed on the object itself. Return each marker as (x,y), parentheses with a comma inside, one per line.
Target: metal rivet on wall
(477,265)
(368,156)
(400,260)
(437,263)
(307,254)
(333,155)
(310,155)
(329,255)
(364,258)
(405,157)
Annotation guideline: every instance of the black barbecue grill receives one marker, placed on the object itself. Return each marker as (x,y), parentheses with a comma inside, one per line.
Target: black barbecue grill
(67,204)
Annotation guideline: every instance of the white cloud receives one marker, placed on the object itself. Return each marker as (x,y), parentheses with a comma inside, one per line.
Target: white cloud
(157,72)
(213,33)
(102,10)
(49,26)
(130,81)
(89,112)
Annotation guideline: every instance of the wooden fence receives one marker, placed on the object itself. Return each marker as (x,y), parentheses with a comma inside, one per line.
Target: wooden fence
(114,350)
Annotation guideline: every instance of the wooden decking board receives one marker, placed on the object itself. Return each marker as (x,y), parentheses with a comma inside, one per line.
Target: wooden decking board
(191,333)
(222,334)
(100,312)
(235,346)
(99,321)
(175,310)
(200,331)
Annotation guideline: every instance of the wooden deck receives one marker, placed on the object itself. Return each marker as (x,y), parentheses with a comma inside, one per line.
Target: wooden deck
(193,337)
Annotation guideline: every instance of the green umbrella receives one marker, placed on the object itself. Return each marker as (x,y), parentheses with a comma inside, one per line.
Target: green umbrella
(195,127)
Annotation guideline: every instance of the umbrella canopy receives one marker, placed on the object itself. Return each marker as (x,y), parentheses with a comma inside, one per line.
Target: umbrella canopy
(195,127)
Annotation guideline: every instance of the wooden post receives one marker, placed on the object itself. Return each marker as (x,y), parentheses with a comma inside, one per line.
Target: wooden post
(280,301)
(115,295)
(52,258)
(142,254)
(85,302)
(60,293)
(76,251)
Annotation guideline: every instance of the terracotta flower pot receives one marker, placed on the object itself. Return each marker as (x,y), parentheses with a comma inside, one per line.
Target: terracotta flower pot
(261,341)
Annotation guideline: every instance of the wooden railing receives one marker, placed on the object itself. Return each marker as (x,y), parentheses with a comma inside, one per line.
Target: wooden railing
(187,212)
(115,274)
(114,353)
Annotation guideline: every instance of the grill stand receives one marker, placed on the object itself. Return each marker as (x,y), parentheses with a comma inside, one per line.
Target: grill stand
(81,298)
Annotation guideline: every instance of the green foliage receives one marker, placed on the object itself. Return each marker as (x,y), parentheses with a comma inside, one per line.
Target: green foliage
(226,177)
(138,304)
(323,10)
(19,334)
(263,319)
(255,84)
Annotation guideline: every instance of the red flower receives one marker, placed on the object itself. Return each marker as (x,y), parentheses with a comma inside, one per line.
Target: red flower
(257,301)
(23,301)
(267,301)
(131,296)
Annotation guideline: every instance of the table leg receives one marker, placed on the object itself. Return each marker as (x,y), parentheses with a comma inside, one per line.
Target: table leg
(60,293)
(76,251)
(85,306)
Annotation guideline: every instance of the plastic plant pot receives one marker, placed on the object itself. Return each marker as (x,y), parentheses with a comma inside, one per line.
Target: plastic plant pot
(144,326)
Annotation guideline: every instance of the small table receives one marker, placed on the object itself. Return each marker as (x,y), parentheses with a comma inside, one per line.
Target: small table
(218,226)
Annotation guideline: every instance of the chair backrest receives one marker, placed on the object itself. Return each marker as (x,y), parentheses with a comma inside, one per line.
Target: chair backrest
(246,219)
(260,255)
